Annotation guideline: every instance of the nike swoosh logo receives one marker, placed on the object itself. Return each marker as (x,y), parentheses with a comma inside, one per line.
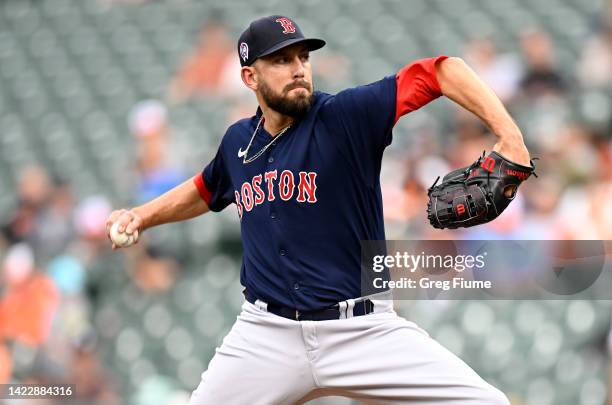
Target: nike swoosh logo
(241,153)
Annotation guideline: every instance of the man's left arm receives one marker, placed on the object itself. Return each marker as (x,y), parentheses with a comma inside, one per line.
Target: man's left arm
(459,83)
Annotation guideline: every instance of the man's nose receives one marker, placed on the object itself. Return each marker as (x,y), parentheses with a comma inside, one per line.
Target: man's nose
(298,68)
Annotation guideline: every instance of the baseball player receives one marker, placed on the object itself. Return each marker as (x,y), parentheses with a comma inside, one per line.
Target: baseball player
(303,173)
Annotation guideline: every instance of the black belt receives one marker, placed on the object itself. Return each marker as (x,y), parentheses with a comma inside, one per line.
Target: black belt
(326,314)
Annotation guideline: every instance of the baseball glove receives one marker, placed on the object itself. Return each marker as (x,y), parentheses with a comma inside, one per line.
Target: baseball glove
(475,194)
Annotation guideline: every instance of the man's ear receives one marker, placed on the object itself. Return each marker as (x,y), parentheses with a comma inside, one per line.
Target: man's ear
(249,77)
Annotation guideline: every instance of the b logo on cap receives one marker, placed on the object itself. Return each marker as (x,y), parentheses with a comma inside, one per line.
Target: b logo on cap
(244,51)
(287,25)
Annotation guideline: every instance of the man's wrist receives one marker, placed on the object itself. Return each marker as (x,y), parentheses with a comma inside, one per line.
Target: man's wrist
(509,132)
(514,151)
(144,218)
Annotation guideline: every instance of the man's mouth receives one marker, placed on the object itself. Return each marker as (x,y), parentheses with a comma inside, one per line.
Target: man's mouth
(295,86)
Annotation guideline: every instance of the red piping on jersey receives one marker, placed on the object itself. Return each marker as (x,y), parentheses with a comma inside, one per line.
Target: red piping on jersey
(417,85)
(198,180)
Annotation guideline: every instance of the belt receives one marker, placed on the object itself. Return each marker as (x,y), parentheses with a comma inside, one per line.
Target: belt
(336,311)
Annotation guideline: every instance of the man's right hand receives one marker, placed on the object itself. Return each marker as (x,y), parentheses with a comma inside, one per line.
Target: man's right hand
(181,203)
(129,222)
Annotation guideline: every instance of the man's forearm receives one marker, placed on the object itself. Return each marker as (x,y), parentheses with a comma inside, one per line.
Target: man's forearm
(459,83)
(181,203)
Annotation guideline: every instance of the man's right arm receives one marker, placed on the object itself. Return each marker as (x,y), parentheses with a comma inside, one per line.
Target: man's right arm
(181,203)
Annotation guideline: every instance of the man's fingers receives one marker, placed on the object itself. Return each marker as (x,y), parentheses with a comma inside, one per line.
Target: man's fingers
(133,226)
(127,221)
(112,218)
(124,220)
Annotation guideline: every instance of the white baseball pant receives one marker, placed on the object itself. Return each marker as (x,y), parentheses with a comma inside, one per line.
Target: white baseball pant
(378,358)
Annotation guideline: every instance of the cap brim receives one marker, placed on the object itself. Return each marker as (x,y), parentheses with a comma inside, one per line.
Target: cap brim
(313,45)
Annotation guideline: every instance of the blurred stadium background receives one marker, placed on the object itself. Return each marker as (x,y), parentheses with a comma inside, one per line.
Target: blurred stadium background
(105,104)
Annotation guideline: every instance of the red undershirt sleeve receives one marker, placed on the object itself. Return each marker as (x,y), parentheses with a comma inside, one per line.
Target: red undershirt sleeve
(198,180)
(417,85)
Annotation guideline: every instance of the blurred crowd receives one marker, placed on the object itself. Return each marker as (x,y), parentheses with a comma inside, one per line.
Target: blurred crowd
(56,263)
(55,256)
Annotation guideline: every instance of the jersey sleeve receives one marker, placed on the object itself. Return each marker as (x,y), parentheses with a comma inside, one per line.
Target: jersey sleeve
(214,184)
(360,121)
(363,117)
(367,113)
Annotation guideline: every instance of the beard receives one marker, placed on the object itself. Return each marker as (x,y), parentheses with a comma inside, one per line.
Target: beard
(281,103)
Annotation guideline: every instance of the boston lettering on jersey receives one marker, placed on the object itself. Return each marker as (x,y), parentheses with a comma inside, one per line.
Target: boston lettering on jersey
(313,196)
(270,184)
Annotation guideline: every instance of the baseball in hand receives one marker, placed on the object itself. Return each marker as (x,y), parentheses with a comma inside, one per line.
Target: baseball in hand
(122,239)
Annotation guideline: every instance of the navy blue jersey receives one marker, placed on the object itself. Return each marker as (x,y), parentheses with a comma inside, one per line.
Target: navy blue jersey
(307,202)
